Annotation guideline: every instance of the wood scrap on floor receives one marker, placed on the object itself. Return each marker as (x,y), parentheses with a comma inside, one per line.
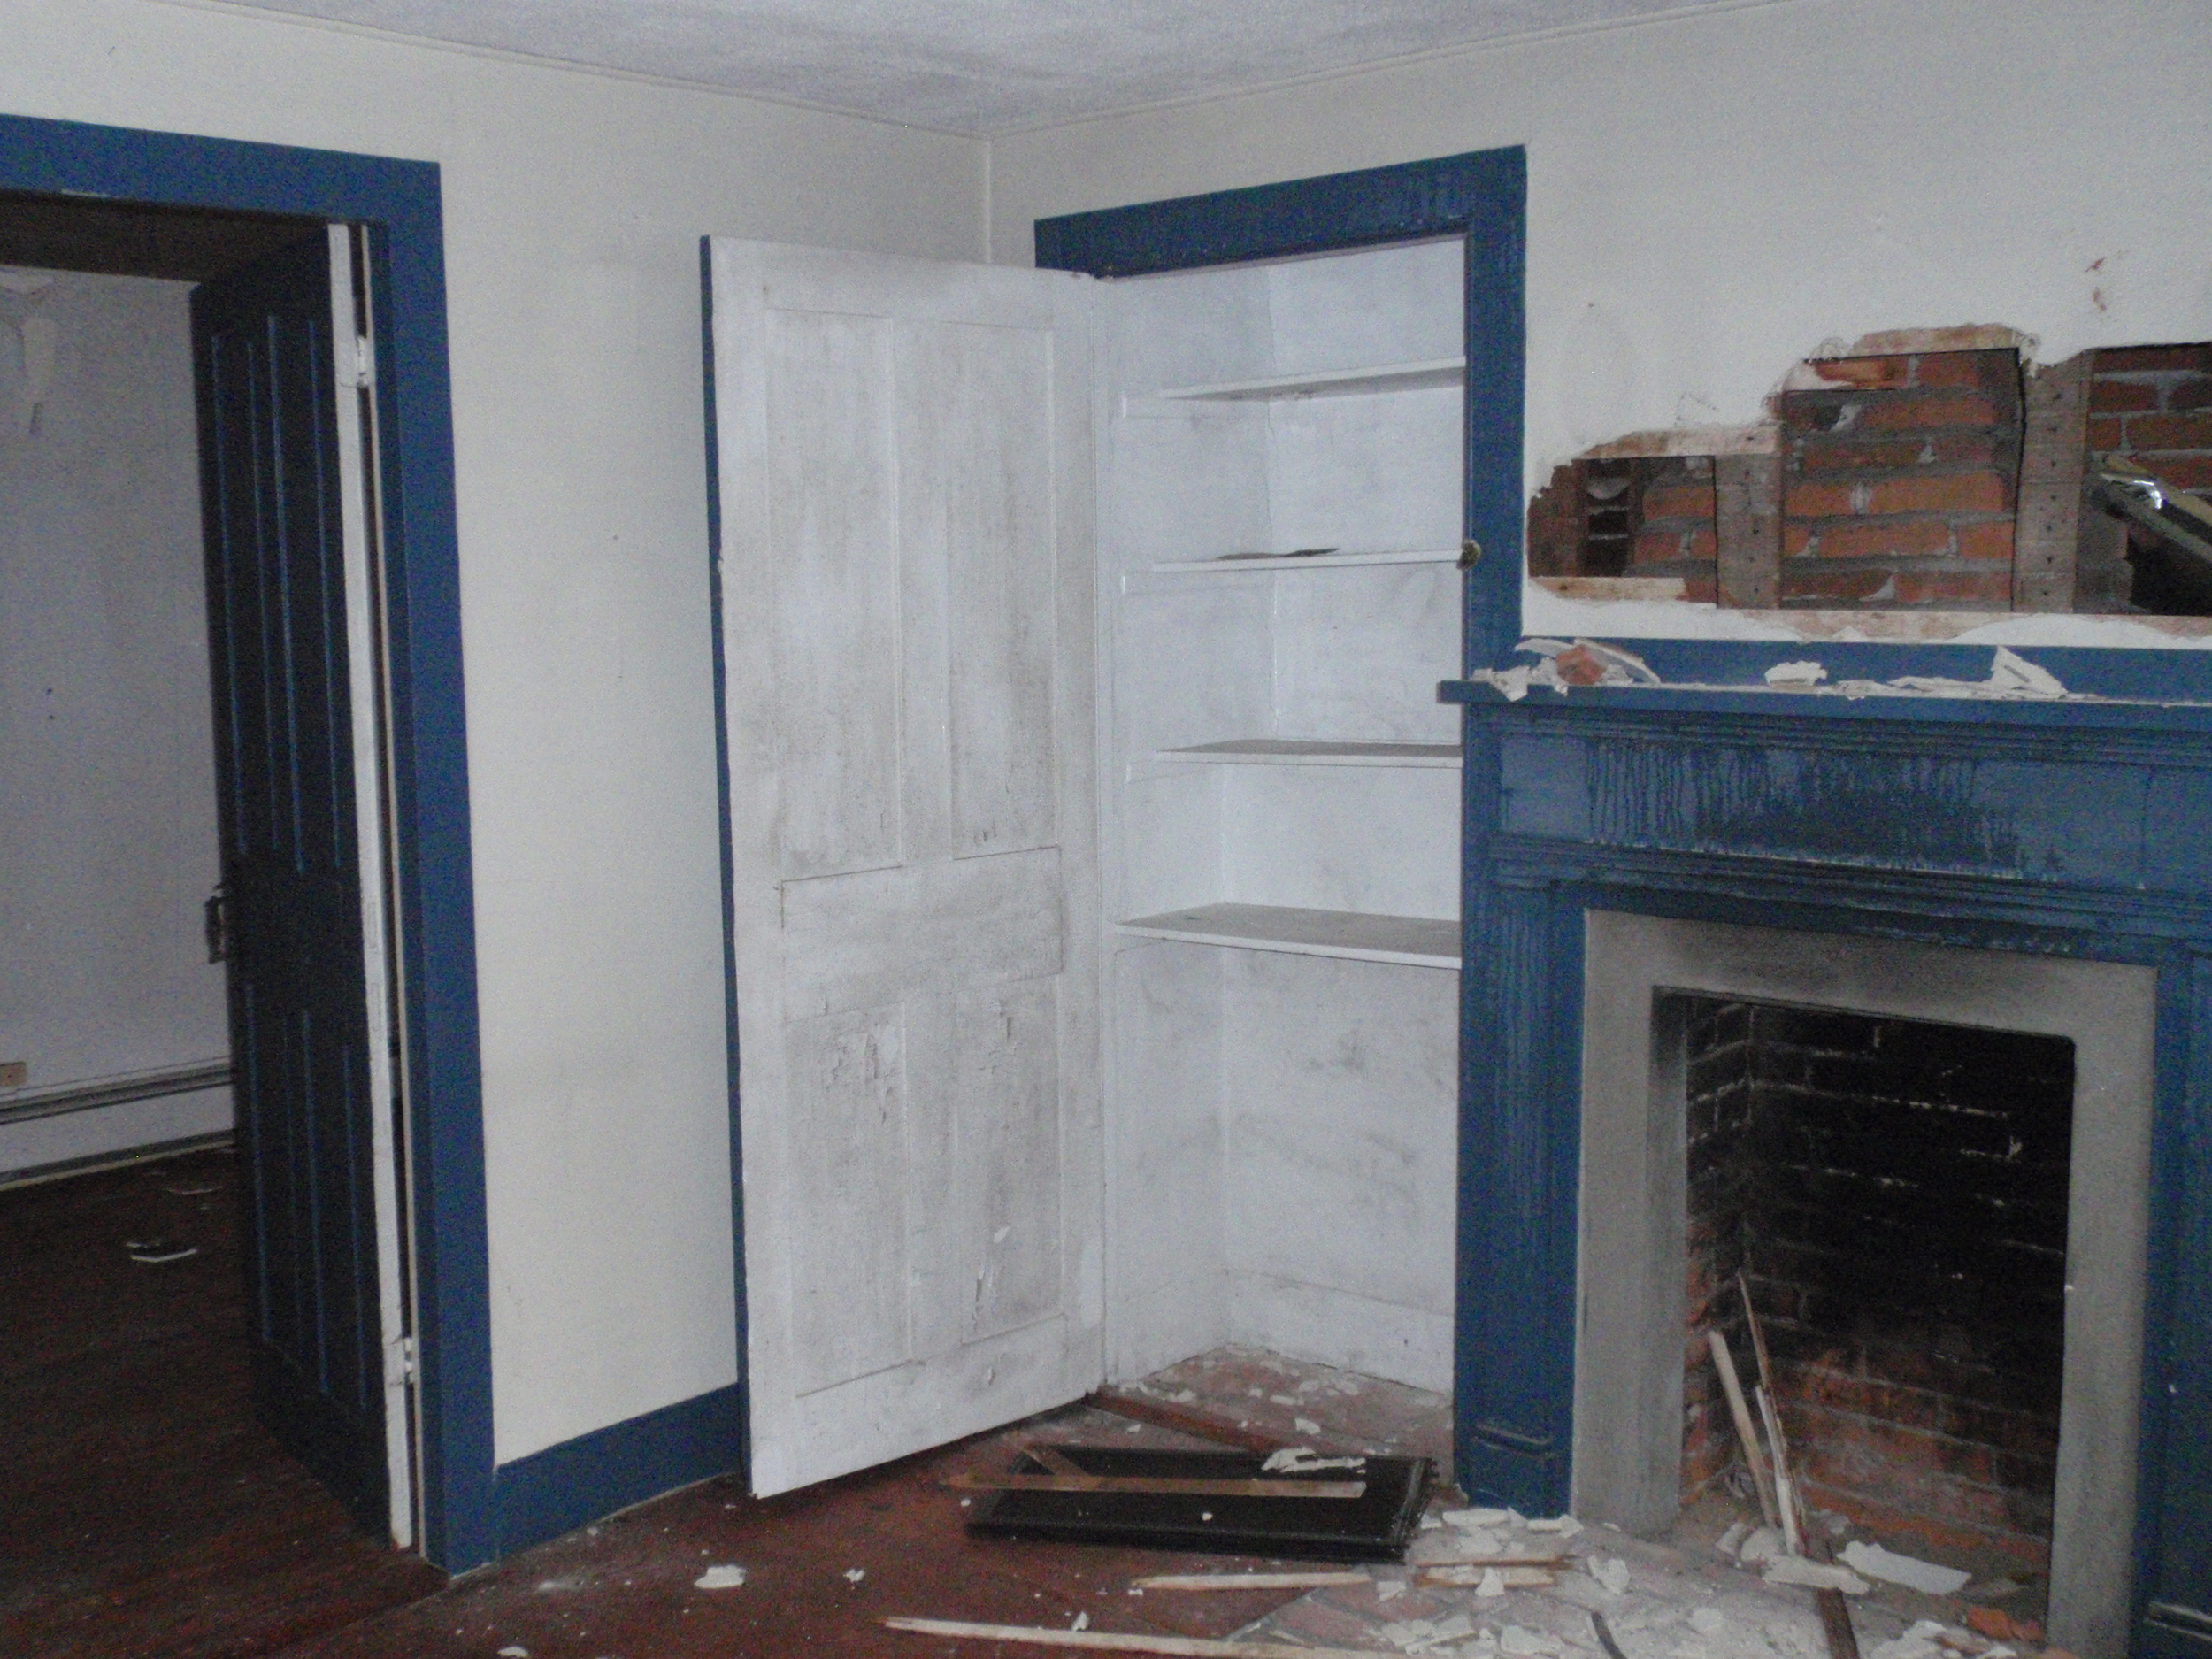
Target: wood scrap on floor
(1106,1641)
(1218,1581)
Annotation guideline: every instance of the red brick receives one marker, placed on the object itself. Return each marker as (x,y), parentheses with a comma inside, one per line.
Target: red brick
(1912,538)
(2125,358)
(1992,542)
(1702,591)
(1679,500)
(1797,540)
(2191,472)
(1976,589)
(2194,393)
(1655,547)
(1890,414)
(2108,432)
(2121,398)
(1955,492)
(1817,501)
(1841,588)
(1984,370)
(1838,457)
(2171,432)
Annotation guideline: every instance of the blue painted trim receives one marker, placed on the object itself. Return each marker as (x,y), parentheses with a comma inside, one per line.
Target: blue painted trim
(401,201)
(1482,195)
(2050,828)
(1273,221)
(558,1489)
(722,802)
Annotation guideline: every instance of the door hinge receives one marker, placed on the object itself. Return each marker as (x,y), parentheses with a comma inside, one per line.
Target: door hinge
(215,924)
(402,1363)
(364,374)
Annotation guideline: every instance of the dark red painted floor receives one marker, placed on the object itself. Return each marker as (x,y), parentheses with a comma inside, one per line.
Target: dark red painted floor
(141,1510)
(626,1588)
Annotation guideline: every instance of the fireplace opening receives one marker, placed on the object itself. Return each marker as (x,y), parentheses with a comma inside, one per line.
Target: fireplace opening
(1893,1192)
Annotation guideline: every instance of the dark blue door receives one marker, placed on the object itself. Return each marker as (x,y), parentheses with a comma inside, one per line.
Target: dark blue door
(270,483)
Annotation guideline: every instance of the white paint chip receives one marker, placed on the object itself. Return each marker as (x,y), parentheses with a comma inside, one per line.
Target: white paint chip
(1913,1573)
(1305,1426)
(1814,1575)
(723,1578)
(1612,1574)
(1493,1585)
(514,1653)
(1565,1525)
(853,1575)
(1476,1517)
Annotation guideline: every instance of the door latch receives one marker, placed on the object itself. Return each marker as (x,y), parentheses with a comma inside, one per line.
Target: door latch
(215,919)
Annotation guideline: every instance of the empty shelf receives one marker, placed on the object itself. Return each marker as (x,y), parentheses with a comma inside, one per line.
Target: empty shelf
(1288,751)
(1383,377)
(1418,941)
(1314,561)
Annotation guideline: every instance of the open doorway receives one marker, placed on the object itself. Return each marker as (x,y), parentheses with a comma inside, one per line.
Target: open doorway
(189,457)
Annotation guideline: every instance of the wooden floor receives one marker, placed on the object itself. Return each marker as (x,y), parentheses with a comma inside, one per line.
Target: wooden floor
(143,1512)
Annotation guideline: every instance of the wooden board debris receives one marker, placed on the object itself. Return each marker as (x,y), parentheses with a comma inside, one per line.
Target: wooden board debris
(1108,1641)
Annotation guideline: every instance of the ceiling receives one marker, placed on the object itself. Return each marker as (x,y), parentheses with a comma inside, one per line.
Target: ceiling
(976,67)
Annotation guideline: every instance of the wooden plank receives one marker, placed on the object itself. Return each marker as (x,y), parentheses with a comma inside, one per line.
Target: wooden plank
(862,940)
(1748,525)
(2046,538)
(847,1132)
(1747,1436)
(1138,1409)
(832,480)
(1161,1485)
(1208,1582)
(1110,1641)
(1005,1224)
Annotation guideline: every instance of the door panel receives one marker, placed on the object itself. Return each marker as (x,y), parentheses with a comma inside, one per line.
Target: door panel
(272,517)
(905,470)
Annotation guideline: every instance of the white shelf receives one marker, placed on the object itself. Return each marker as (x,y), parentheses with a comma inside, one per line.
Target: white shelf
(1382,377)
(1286,751)
(1419,941)
(1308,562)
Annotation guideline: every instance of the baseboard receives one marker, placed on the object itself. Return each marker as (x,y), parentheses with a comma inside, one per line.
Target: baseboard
(560,1488)
(37,1174)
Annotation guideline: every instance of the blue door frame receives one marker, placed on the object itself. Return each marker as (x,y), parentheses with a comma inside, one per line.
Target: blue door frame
(399,201)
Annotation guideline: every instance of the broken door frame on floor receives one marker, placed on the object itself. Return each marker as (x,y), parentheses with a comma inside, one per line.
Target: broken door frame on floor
(399,203)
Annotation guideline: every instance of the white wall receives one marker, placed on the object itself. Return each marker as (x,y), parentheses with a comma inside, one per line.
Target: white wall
(1711,198)
(573,204)
(108,842)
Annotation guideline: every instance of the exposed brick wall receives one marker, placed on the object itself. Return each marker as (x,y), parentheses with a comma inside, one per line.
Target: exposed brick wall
(1718,1096)
(1651,516)
(1675,524)
(1897,1193)
(1899,480)
(2155,402)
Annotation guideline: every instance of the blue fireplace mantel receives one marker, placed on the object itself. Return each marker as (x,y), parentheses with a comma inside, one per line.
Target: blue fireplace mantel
(2072,828)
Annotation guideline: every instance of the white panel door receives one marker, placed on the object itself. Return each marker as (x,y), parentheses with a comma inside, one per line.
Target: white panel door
(905,475)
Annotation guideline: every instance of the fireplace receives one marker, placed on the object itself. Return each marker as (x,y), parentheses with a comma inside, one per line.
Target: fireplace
(1892,1197)
(1635,853)
(1643,977)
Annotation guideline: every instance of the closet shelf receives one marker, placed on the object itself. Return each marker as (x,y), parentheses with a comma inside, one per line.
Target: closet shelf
(1420,941)
(1382,377)
(1311,561)
(1286,751)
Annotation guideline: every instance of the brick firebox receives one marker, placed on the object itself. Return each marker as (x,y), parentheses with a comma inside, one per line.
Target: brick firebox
(1896,1191)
